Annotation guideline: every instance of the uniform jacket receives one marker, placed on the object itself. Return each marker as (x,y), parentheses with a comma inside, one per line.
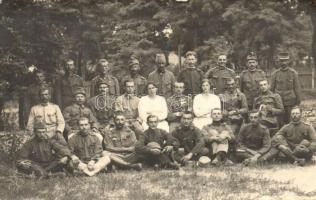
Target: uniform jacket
(114,137)
(102,108)
(207,131)
(256,138)
(285,82)
(179,103)
(192,79)
(164,81)
(190,138)
(114,87)
(219,76)
(128,104)
(249,83)
(86,147)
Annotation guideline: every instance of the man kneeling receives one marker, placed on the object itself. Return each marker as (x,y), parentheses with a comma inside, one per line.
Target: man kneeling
(44,153)
(89,156)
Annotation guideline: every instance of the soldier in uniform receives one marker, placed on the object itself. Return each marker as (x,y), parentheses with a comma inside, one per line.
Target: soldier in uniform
(155,146)
(190,140)
(65,85)
(162,77)
(191,76)
(128,105)
(139,81)
(253,140)
(234,105)
(43,153)
(219,75)
(77,110)
(249,79)
(285,82)
(101,105)
(31,96)
(296,140)
(87,147)
(48,113)
(177,104)
(103,69)
(120,142)
(269,105)
(217,137)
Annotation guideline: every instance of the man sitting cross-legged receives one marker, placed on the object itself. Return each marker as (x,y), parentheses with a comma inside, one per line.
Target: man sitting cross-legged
(296,140)
(253,140)
(120,142)
(217,137)
(44,153)
(155,146)
(190,139)
(87,148)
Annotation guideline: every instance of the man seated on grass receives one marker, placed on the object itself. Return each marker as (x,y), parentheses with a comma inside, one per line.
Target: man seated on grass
(155,146)
(190,140)
(217,137)
(89,156)
(296,140)
(44,153)
(120,142)
(253,140)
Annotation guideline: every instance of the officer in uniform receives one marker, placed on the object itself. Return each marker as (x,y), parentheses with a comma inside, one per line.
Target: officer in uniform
(234,105)
(128,105)
(190,140)
(120,141)
(101,105)
(103,68)
(253,140)
(249,79)
(219,75)
(163,78)
(65,85)
(270,106)
(43,153)
(177,104)
(77,110)
(217,137)
(296,140)
(139,81)
(285,82)
(191,76)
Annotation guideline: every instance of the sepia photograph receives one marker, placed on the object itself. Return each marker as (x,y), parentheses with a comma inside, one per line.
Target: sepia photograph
(157,99)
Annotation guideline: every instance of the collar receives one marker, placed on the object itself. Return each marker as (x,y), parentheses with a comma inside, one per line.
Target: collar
(79,106)
(45,104)
(129,96)
(284,69)
(296,123)
(267,93)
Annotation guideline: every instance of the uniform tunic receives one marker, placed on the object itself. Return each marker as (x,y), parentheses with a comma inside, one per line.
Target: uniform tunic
(102,108)
(219,76)
(114,87)
(124,137)
(48,113)
(164,81)
(139,81)
(249,84)
(64,88)
(256,138)
(86,147)
(73,113)
(192,79)
(190,138)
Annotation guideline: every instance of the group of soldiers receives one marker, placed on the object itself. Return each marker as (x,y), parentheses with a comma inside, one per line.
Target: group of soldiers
(165,121)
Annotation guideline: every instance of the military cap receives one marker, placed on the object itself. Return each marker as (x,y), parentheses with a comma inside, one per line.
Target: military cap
(189,53)
(284,56)
(159,57)
(133,62)
(101,81)
(103,61)
(80,90)
(203,161)
(252,56)
(39,125)
(154,145)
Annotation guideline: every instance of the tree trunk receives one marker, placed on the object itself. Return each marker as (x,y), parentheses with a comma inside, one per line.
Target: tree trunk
(313,18)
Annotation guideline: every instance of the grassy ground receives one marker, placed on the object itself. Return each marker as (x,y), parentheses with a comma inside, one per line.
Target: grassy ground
(225,183)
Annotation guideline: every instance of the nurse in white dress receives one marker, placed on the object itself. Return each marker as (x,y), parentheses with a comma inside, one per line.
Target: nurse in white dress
(153,104)
(203,105)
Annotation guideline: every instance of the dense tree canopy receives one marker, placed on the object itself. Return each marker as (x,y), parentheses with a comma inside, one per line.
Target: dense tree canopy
(45,32)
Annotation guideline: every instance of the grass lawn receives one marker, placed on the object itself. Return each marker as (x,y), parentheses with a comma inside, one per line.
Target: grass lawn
(228,183)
